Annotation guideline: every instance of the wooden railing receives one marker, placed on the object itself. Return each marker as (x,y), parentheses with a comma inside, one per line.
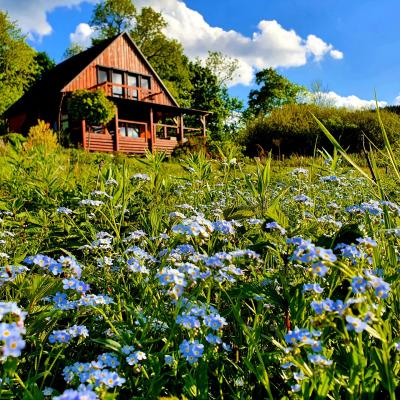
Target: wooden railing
(126,92)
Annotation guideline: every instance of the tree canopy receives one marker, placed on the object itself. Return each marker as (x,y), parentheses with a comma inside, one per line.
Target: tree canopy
(275,91)
(17,60)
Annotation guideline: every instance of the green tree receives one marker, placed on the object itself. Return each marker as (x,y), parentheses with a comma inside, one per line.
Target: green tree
(222,66)
(73,50)
(112,17)
(16,62)
(275,91)
(209,94)
(42,64)
(94,107)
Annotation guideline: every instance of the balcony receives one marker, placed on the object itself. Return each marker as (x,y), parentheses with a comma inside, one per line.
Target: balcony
(127,92)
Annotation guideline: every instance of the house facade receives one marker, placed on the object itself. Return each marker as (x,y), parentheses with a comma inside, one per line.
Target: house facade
(147,115)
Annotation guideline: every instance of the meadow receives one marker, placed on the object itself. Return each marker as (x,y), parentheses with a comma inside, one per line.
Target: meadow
(126,278)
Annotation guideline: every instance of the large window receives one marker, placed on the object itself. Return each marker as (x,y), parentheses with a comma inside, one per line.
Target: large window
(133,82)
(131,130)
(102,75)
(145,82)
(118,78)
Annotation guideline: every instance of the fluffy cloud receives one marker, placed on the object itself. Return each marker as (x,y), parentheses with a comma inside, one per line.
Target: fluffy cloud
(270,46)
(397,101)
(82,35)
(352,102)
(32,14)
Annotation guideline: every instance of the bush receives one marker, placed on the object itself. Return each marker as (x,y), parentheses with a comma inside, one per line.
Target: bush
(292,129)
(41,136)
(94,107)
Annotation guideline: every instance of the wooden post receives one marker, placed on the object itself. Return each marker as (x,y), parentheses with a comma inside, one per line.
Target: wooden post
(203,122)
(152,134)
(116,131)
(84,134)
(181,128)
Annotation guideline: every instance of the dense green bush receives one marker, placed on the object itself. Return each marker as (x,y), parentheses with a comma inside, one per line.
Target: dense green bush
(292,129)
(94,107)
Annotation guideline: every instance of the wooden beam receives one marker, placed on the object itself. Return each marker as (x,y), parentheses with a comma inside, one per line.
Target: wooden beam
(181,128)
(203,122)
(84,134)
(152,134)
(116,130)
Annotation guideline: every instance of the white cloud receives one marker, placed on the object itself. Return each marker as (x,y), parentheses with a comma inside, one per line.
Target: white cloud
(397,101)
(351,102)
(31,15)
(82,35)
(271,45)
(336,54)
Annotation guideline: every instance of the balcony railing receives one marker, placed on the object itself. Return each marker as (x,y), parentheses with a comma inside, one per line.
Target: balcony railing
(127,92)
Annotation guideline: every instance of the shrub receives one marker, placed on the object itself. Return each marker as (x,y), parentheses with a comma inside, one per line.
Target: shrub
(94,107)
(292,129)
(42,136)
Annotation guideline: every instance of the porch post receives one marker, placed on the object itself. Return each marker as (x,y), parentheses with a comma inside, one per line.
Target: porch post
(203,122)
(181,128)
(116,130)
(84,134)
(152,138)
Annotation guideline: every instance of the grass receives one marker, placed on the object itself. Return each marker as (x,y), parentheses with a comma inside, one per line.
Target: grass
(198,278)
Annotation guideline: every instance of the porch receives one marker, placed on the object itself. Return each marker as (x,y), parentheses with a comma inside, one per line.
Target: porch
(139,126)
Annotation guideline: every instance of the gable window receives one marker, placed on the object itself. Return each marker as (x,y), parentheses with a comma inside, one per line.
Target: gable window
(118,78)
(102,75)
(132,81)
(145,82)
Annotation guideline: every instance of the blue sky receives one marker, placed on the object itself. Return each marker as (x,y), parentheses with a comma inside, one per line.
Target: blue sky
(352,47)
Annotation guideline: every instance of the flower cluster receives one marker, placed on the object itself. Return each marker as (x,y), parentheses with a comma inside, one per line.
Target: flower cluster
(11,330)
(65,335)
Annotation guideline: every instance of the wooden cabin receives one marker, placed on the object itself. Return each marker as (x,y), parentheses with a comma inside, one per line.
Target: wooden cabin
(147,115)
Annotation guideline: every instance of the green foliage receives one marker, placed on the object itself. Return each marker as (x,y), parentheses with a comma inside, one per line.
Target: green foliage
(42,64)
(41,136)
(16,62)
(292,129)
(73,50)
(164,54)
(275,91)
(209,94)
(92,106)
(112,17)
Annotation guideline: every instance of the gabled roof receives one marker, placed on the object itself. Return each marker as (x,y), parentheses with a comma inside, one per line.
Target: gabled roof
(55,80)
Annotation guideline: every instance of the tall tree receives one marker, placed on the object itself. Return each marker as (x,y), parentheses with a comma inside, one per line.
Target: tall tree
(112,17)
(222,66)
(42,64)
(209,94)
(16,62)
(73,50)
(275,91)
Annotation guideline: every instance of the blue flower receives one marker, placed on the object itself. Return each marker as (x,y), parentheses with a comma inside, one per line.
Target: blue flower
(355,324)
(191,351)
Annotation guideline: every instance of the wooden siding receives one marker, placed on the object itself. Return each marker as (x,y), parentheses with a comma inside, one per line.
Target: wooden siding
(122,55)
(99,142)
(131,145)
(165,145)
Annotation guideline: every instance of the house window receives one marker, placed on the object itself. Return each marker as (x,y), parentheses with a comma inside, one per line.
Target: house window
(145,82)
(117,77)
(102,75)
(130,130)
(133,82)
